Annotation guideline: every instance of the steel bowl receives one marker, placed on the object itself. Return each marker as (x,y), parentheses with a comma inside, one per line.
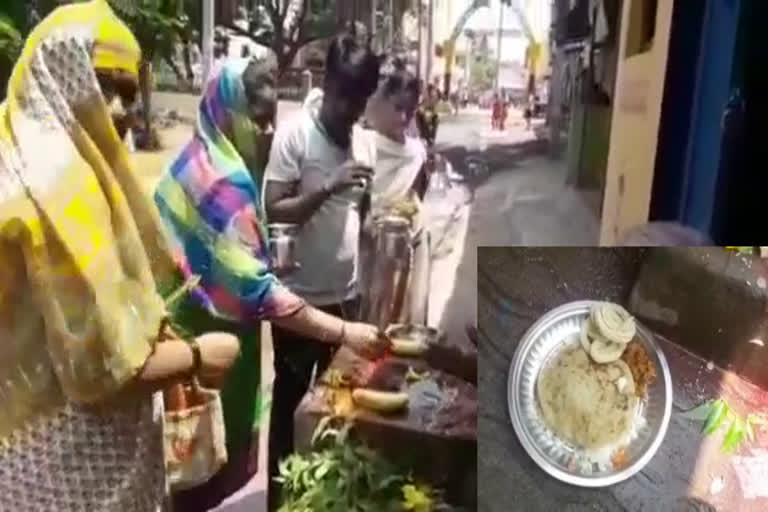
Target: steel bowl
(428,335)
(552,333)
(282,247)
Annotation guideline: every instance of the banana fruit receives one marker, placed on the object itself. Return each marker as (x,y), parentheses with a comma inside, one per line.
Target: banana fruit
(607,331)
(408,348)
(380,401)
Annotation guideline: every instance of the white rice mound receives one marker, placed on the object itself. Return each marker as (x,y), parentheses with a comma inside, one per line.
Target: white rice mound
(590,406)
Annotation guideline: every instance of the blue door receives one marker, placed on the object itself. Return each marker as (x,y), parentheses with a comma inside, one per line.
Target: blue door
(711,100)
(698,87)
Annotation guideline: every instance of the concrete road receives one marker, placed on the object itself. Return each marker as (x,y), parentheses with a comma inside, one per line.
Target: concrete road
(524,202)
(186,104)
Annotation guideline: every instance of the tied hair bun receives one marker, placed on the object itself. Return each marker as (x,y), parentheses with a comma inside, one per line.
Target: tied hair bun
(397,75)
(395,64)
(351,64)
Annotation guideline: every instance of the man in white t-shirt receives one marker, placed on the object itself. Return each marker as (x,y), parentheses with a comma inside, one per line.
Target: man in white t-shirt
(318,172)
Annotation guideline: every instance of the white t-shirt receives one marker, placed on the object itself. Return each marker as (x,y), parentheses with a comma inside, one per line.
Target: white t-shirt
(328,243)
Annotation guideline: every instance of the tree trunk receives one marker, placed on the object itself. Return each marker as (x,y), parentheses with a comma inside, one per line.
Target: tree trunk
(145,85)
(176,71)
(187,57)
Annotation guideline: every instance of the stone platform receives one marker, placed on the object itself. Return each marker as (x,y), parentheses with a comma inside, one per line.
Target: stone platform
(436,436)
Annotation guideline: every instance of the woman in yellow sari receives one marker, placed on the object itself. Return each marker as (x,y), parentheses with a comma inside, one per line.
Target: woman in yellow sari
(82,258)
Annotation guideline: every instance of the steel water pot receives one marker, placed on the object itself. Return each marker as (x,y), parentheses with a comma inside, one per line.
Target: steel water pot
(282,247)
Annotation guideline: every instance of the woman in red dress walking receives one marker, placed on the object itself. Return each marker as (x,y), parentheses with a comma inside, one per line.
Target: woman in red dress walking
(496,113)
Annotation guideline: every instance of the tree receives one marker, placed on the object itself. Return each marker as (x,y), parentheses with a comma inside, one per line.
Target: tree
(286,26)
(10,47)
(482,66)
(17,18)
(157,25)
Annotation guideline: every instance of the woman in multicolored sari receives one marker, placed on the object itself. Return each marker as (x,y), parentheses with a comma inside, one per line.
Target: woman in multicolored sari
(82,257)
(210,201)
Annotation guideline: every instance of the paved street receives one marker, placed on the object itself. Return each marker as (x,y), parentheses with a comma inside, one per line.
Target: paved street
(524,202)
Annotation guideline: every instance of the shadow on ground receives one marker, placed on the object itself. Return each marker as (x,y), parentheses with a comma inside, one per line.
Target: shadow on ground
(498,156)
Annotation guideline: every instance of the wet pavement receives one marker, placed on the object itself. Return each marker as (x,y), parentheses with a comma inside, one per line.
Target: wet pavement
(688,473)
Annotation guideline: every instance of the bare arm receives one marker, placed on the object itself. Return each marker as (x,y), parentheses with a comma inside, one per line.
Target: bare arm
(284,205)
(313,323)
(174,360)
(171,361)
(364,339)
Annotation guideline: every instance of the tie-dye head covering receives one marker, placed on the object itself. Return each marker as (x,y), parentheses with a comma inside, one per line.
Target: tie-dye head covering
(210,201)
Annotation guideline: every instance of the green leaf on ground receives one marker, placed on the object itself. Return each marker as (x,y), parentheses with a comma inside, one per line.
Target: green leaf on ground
(734,436)
(716,413)
(716,416)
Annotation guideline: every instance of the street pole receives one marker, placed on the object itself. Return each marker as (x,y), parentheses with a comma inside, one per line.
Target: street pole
(468,61)
(420,12)
(373,19)
(430,39)
(208,29)
(391,23)
(498,45)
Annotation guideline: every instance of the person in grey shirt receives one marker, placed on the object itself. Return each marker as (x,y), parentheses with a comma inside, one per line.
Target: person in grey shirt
(316,178)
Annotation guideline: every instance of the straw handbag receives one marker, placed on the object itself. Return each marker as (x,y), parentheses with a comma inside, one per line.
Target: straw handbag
(195,441)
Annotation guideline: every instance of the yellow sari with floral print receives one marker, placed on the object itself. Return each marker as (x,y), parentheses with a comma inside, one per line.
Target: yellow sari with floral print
(81,247)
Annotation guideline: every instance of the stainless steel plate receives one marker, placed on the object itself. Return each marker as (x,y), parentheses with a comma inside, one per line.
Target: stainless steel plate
(545,339)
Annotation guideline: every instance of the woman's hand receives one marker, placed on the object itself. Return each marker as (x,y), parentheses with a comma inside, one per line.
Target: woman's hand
(218,352)
(365,339)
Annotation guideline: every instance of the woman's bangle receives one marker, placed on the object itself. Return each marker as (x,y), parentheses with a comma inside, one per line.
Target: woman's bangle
(342,336)
(197,358)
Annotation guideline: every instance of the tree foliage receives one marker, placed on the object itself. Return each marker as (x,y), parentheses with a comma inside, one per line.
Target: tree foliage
(17,18)
(482,65)
(285,27)
(157,24)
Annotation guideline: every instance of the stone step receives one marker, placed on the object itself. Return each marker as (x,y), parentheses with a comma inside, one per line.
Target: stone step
(711,301)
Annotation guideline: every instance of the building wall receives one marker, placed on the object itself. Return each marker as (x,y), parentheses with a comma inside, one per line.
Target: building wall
(635,122)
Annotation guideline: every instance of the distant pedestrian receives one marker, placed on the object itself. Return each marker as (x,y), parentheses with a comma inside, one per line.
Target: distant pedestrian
(504,114)
(455,103)
(496,113)
(427,117)
(529,111)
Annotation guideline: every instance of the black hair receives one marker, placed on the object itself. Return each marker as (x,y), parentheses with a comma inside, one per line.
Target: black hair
(351,65)
(259,83)
(117,83)
(398,79)
(257,74)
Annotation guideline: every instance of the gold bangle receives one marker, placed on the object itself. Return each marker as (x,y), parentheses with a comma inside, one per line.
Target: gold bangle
(340,340)
(197,358)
